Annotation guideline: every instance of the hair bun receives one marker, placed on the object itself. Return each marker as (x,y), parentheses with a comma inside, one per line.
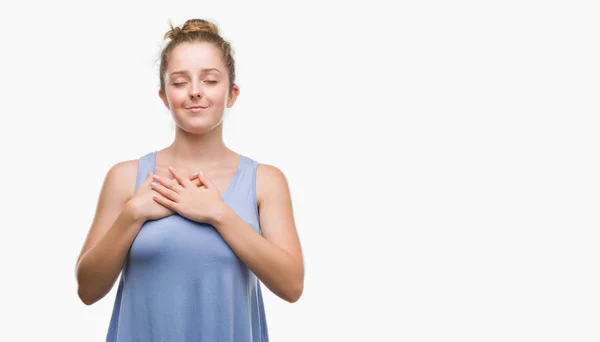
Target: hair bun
(193,25)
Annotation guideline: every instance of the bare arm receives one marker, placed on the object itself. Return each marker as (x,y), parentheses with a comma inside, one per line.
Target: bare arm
(276,256)
(111,234)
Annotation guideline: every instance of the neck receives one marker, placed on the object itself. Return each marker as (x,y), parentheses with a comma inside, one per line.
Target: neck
(194,150)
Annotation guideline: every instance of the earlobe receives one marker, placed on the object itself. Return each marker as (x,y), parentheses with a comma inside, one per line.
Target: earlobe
(235,92)
(164,99)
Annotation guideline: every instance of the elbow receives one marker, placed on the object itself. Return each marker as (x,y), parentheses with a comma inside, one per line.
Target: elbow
(85,292)
(83,295)
(87,297)
(295,289)
(293,299)
(295,293)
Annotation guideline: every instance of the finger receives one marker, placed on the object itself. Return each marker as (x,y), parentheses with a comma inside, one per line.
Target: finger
(206,181)
(164,202)
(169,184)
(182,180)
(166,192)
(195,178)
(149,178)
(197,182)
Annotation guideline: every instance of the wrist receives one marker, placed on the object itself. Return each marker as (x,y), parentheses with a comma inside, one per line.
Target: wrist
(220,213)
(131,211)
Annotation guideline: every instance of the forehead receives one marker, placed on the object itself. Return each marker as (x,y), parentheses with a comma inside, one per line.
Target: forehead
(195,56)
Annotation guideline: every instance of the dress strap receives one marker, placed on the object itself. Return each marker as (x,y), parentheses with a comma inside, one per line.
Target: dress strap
(145,163)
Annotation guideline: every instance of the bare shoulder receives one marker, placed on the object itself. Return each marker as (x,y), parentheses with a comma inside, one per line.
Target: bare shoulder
(121,178)
(270,181)
(118,186)
(269,172)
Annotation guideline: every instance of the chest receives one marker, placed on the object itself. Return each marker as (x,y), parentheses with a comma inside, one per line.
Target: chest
(222,177)
(176,242)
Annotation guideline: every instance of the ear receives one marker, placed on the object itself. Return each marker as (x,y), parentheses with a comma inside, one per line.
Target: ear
(164,99)
(233,95)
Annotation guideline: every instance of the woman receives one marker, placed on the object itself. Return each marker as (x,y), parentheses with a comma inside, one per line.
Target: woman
(192,246)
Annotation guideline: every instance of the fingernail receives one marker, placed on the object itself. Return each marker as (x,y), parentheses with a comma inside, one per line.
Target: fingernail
(171,168)
(155,176)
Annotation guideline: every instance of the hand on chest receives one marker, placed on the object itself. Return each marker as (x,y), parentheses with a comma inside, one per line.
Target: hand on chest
(221,177)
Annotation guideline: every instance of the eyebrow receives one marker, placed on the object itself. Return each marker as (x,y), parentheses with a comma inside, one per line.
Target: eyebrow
(202,70)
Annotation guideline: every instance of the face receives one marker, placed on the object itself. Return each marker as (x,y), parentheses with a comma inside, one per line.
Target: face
(197,87)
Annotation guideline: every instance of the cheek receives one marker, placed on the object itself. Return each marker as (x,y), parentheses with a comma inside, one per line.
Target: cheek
(218,95)
(176,98)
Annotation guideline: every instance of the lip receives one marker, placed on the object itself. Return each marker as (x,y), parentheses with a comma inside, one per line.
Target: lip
(196,109)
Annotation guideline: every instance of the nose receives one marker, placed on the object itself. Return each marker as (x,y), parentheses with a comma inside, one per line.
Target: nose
(195,91)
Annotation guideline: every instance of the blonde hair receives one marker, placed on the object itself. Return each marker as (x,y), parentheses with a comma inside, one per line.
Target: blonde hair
(196,30)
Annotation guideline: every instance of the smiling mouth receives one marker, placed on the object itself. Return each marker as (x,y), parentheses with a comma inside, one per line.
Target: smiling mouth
(196,109)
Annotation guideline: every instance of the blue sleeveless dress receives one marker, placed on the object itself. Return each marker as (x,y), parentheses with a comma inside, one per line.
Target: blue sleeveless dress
(182,282)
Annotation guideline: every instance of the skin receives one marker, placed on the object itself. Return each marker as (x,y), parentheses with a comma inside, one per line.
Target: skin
(192,174)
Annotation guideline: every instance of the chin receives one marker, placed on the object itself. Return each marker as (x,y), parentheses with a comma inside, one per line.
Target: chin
(197,127)
(197,123)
